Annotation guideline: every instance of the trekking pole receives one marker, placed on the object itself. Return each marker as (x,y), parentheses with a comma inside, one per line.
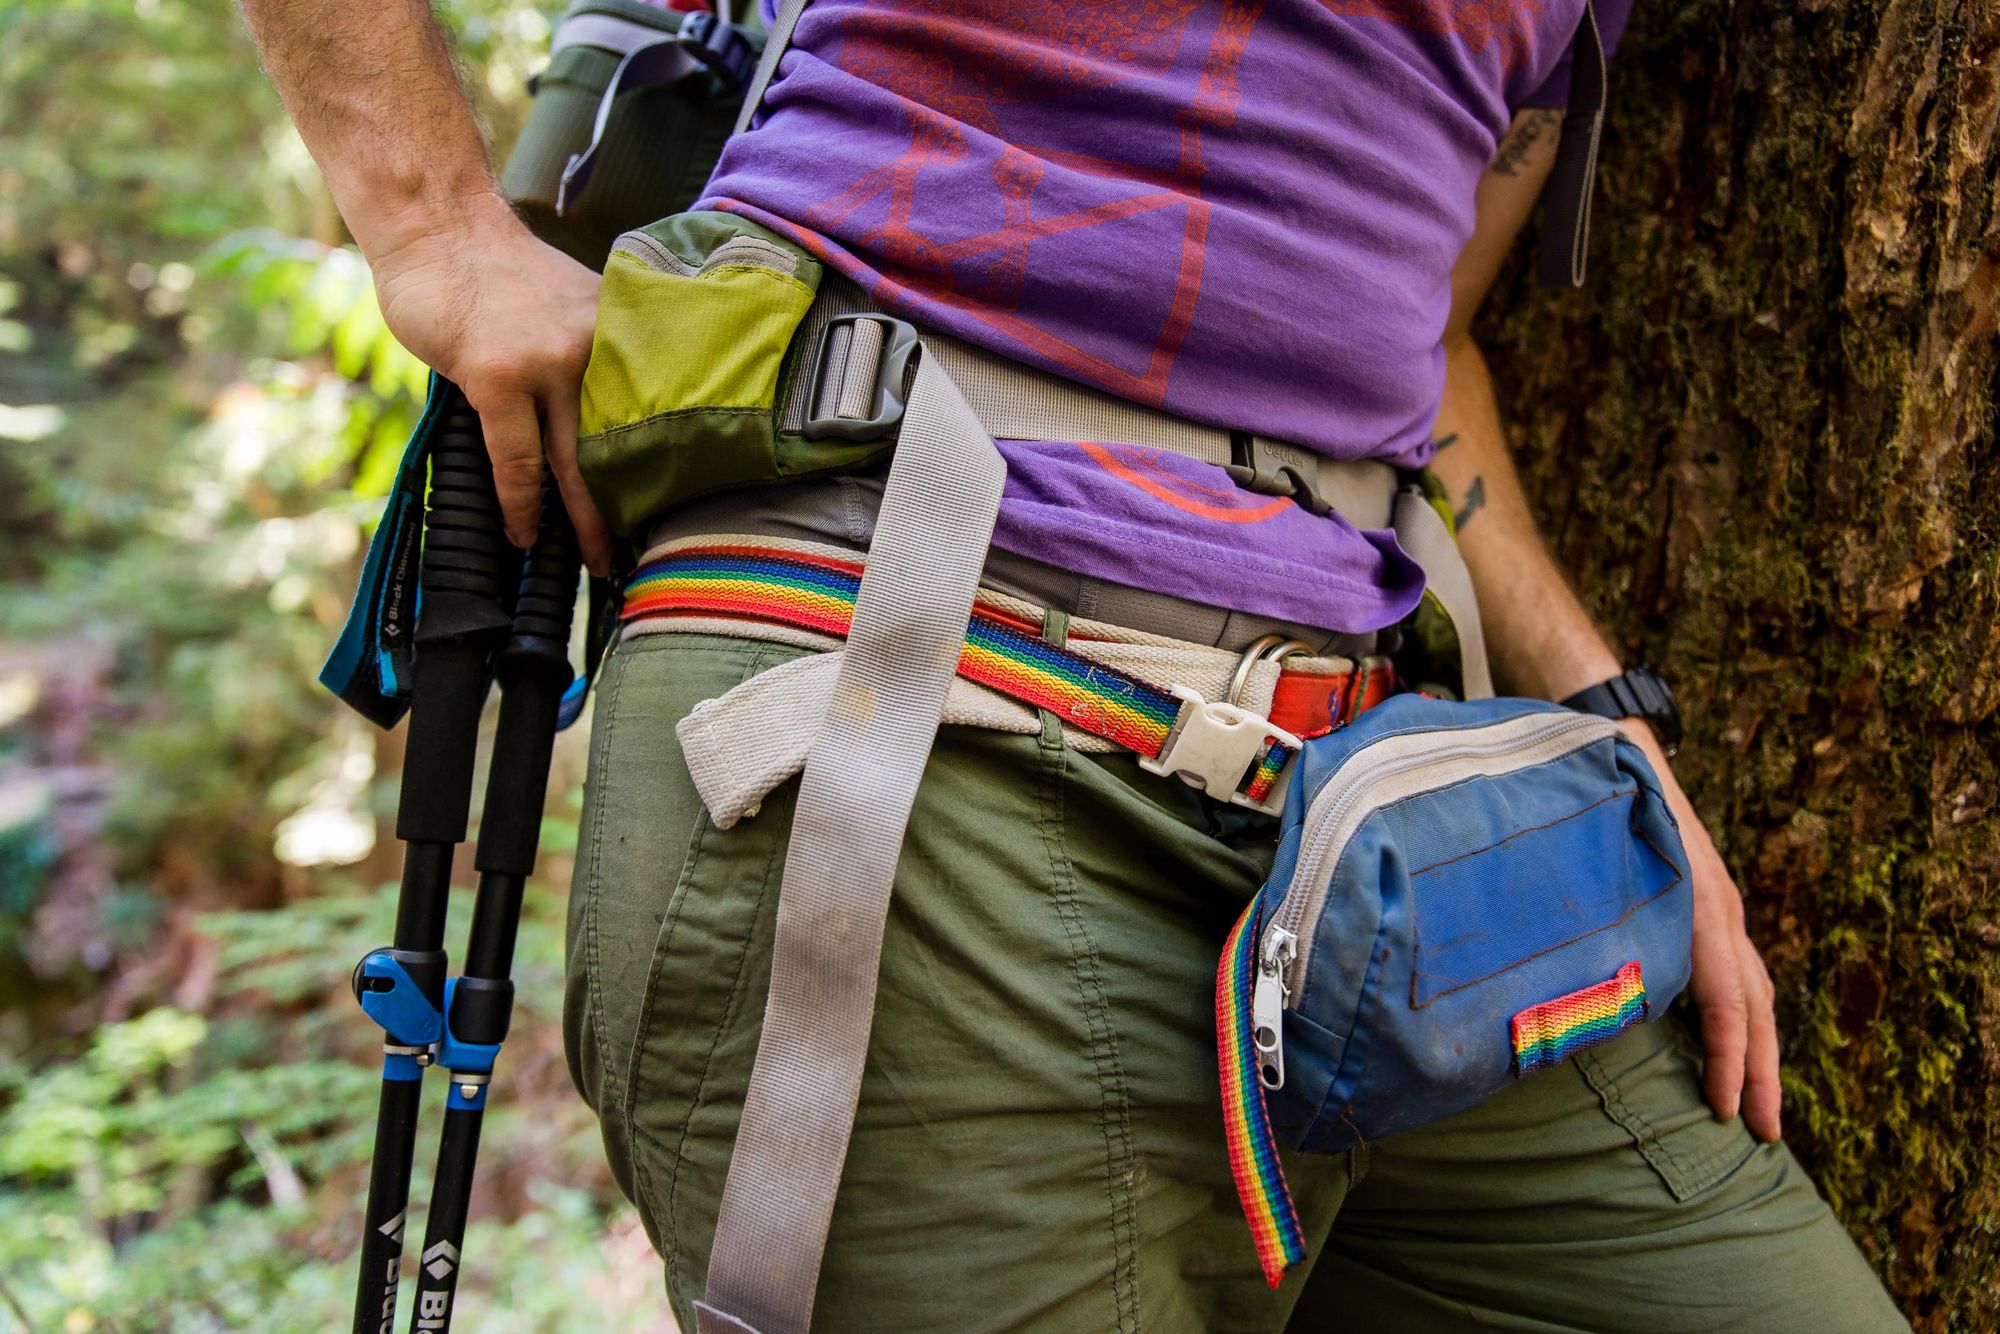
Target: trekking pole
(461,621)
(533,671)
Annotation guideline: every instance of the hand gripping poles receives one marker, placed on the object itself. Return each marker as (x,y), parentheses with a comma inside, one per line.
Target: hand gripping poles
(486,613)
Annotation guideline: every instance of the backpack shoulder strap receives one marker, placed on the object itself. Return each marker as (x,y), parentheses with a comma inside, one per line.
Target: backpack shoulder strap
(775,41)
(1566,222)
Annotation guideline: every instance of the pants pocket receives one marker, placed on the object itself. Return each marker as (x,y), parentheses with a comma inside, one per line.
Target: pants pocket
(1649,1083)
(641,849)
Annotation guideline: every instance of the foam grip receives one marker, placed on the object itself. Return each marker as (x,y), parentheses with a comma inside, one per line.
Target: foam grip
(546,601)
(466,555)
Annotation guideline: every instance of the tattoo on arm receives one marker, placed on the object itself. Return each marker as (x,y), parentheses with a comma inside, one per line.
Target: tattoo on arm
(1514,149)
(1475,500)
(1444,442)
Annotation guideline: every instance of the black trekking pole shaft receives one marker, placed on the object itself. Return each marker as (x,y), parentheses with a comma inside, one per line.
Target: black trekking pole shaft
(533,671)
(461,620)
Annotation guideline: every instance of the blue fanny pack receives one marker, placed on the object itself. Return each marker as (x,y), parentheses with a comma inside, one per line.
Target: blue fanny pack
(1463,894)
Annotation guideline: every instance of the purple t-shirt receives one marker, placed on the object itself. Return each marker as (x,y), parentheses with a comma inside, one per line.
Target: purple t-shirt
(1245,212)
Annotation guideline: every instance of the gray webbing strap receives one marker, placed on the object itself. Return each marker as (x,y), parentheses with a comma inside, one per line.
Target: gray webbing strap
(776,38)
(608,32)
(1018,402)
(855,797)
(1421,532)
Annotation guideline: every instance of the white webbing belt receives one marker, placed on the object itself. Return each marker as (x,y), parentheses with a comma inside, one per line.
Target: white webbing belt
(785,706)
(855,796)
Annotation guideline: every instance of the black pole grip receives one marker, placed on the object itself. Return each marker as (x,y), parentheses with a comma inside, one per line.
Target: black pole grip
(534,670)
(461,620)
(466,556)
(546,603)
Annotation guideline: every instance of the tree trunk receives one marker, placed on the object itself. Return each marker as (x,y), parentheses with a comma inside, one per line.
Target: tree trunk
(1763,437)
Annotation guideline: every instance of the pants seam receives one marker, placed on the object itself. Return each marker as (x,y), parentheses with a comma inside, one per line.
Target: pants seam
(648,1182)
(662,946)
(612,1094)
(1114,1103)
(700,1096)
(1645,1135)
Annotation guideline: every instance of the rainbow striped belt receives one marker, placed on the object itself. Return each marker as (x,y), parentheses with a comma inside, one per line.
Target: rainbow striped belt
(1170,729)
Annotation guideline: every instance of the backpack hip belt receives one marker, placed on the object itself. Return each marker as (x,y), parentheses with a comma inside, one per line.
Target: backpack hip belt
(847,385)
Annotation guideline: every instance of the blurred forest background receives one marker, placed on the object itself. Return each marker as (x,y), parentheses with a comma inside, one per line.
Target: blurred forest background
(200,411)
(1764,437)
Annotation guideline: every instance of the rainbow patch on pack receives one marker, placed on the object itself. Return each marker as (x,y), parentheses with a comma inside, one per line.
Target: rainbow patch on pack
(1549,1033)
(1253,1149)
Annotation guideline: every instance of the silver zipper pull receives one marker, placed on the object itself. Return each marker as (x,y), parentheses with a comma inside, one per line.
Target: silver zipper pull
(1267,1004)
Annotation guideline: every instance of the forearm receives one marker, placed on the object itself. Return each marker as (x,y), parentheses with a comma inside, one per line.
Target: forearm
(461,281)
(374,94)
(1540,639)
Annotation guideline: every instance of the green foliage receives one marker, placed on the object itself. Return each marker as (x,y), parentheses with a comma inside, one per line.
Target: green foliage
(171,1173)
(200,408)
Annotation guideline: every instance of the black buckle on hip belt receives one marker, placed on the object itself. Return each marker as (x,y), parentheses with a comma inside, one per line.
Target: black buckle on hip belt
(1254,468)
(723,47)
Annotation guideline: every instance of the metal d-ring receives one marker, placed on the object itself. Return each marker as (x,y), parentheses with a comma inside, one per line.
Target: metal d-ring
(1265,648)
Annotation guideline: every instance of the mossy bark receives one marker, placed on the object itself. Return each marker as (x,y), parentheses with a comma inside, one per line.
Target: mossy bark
(1763,438)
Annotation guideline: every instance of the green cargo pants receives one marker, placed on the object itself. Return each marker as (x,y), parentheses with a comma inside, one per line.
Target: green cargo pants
(1039,1141)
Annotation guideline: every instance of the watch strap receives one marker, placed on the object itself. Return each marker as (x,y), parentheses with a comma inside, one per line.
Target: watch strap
(1638,693)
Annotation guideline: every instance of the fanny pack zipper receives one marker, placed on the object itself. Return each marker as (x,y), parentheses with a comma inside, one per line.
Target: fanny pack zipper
(1377,775)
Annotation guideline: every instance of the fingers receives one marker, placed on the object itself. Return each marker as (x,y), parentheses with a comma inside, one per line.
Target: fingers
(1725,1035)
(593,535)
(514,441)
(1716,986)
(1762,1092)
(1729,984)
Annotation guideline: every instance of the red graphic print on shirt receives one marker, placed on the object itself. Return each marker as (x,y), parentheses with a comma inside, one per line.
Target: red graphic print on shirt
(1076,48)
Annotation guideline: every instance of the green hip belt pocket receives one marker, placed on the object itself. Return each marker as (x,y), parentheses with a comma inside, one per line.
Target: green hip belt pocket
(697,333)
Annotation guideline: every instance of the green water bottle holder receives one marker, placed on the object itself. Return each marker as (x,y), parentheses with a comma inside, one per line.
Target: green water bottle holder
(676,82)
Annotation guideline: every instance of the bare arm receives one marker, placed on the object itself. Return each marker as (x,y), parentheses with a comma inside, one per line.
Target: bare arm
(1543,643)
(371,86)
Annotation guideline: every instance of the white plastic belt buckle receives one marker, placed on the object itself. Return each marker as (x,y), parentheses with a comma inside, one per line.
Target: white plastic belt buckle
(1212,746)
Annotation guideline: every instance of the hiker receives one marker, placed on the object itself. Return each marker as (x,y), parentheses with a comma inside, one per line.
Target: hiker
(1255,234)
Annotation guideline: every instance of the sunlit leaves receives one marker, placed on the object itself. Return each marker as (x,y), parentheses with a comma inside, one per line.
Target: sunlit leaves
(200,408)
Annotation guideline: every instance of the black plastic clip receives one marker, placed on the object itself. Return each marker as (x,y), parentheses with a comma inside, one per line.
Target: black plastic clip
(1252,467)
(724,48)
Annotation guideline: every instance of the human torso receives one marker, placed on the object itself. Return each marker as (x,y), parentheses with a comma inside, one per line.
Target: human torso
(1245,212)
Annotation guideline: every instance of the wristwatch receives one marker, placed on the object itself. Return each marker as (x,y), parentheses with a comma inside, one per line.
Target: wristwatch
(1638,693)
